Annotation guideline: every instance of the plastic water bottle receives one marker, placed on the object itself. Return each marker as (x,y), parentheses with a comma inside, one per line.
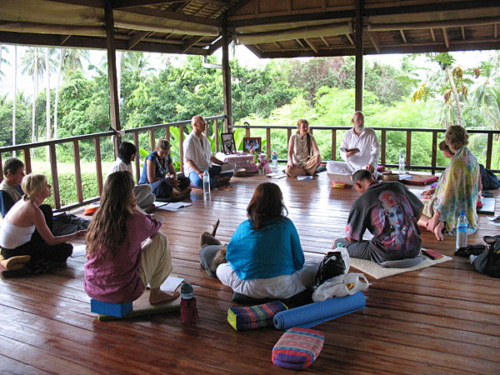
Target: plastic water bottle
(402,163)
(189,310)
(206,183)
(462,226)
(275,159)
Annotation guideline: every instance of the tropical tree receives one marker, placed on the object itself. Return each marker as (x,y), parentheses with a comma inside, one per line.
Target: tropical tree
(2,60)
(33,66)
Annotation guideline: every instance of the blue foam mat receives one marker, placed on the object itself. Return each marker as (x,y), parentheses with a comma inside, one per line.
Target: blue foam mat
(316,313)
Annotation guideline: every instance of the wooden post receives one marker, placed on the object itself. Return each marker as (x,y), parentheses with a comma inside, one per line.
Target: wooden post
(137,158)
(181,147)
(27,160)
(489,150)
(268,137)
(383,139)
(112,75)
(78,171)
(434,152)
(226,78)
(360,67)
(55,176)
(98,163)
(408,149)
(216,130)
(334,144)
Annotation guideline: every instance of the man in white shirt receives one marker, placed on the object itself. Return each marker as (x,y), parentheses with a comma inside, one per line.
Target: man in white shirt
(359,150)
(198,157)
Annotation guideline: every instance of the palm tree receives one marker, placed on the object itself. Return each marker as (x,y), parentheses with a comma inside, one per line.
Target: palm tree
(136,62)
(14,101)
(487,95)
(2,60)
(33,66)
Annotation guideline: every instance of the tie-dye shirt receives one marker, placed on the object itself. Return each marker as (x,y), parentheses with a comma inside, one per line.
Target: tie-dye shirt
(389,211)
(457,190)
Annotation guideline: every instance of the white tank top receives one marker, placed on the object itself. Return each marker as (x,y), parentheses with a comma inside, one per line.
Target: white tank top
(12,236)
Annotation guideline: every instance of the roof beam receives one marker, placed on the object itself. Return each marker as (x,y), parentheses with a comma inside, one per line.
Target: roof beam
(236,7)
(433,24)
(135,39)
(375,40)
(446,39)
(463,32)
(173,16)
(190,42)
(403,36)
(119,4)
(311,45)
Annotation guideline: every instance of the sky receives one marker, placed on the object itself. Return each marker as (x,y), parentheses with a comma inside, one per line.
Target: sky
(245,57)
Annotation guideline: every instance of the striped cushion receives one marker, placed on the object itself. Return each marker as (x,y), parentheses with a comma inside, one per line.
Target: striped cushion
(298,348)
(254,317)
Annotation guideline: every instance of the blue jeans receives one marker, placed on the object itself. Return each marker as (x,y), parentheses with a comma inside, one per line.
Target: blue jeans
(198,182)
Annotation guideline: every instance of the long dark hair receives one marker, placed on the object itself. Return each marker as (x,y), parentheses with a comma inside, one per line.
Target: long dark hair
(126,150)
(266,204)
(308,135)
(107,228)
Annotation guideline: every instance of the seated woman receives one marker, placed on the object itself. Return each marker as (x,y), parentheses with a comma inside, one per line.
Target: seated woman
(265,256)
(303,153)
(18,236)
(447,154)
(127,153)
(119,267)
(159,172)
(457,190)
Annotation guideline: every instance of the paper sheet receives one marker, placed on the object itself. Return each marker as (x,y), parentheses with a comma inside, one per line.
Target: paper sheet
(79,251)
(174,206)
(304,178)
(171,284)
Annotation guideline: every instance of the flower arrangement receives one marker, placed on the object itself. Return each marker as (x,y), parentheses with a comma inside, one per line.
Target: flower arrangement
(262,163)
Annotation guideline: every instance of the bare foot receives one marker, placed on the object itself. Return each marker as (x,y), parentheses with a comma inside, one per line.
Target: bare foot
(157,296)
(438,231)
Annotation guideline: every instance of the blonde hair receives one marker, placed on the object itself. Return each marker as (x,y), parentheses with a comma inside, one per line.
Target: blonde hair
(163,143)
(34,183)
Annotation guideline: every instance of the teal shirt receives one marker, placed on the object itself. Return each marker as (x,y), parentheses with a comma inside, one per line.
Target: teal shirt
(273,251)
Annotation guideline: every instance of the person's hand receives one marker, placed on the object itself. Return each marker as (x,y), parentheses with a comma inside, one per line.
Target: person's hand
(289,165)
(351,153)
(81,233)
(370,168)
(175,182)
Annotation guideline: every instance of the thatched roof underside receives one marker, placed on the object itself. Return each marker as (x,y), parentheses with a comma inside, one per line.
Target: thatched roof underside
(286,28)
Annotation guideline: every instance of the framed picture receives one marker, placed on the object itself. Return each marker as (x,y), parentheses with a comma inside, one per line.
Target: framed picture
(251,144)
(228,145)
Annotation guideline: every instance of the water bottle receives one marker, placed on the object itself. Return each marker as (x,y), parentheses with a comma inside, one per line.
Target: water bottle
(462,226)
(206,183)
(275,160)
(402,163)
(189,310)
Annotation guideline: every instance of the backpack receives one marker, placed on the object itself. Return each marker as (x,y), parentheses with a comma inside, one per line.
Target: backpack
(488,179)
(489,261)
(332,265)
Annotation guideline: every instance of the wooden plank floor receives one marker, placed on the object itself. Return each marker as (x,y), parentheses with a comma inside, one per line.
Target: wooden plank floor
(439,320)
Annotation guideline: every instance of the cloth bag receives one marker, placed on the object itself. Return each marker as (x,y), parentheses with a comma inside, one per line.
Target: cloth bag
(341,286)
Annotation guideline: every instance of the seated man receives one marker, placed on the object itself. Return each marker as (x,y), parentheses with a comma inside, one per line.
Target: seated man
(11,192)
(198,157)
(359,150)
(10,188)
(390,212)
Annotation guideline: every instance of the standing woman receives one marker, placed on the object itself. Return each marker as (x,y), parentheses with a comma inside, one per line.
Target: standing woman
(119,267)
(303,153)
(18,236)
(265,256)
(457,190)
(127,152)
(159,172)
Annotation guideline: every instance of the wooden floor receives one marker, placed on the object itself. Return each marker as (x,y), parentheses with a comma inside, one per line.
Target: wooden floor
(439,320)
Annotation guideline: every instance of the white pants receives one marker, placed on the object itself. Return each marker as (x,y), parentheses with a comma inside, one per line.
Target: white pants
(156,260)
(144,195)
(342,167)
(280,287)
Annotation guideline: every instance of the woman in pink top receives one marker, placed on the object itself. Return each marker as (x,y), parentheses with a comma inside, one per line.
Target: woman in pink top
(118,267)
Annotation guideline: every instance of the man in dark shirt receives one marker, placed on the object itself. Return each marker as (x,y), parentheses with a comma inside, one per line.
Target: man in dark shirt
(10,188)
(390,212)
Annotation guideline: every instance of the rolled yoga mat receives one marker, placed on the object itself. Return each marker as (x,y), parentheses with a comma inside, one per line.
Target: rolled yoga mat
(316,313)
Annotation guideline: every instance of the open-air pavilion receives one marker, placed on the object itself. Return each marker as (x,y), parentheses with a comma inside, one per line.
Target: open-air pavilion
(442,319)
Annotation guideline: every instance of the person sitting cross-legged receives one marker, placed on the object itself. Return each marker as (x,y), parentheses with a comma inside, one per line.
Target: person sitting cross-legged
(127,152)
(390,212)
(125,249)
(265,256)
(159,172)
(303,153)
(198,157)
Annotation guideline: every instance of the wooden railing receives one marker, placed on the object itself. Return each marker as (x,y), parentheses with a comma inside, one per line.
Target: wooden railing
(96,138)
(26,149)
(382,140)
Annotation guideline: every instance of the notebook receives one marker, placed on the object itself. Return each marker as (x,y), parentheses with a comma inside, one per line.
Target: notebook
(340,178)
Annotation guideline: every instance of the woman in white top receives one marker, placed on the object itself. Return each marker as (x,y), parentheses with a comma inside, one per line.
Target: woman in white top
(18,236)
(303,153)
(127,153)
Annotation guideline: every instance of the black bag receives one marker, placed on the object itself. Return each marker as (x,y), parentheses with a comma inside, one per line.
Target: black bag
(489,261)
(332,265)
(488,179)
